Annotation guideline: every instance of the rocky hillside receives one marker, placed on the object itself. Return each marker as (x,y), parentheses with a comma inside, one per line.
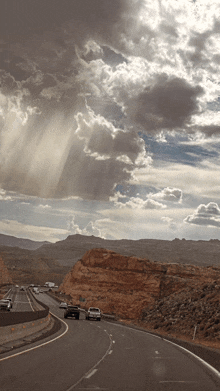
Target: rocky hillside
(127,286)
(5,277)
(192,311)
(25,267)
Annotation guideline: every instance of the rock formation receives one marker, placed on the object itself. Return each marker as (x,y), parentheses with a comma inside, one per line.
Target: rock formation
(126,286)
(191,312)
(5,277)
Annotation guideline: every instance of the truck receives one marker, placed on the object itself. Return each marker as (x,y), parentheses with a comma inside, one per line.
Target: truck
(93,313)
(72,311)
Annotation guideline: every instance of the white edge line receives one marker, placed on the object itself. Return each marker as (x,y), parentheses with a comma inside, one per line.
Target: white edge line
(94,366)
(43,344)
(210,367)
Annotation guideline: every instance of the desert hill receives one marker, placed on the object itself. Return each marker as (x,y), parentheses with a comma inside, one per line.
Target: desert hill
(202,253)
(12,241)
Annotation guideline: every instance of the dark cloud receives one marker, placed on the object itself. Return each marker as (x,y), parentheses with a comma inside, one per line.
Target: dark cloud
(169,103)
(210,130)
(19,19)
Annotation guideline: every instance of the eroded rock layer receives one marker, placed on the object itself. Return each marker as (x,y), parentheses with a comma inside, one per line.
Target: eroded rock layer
(126,286)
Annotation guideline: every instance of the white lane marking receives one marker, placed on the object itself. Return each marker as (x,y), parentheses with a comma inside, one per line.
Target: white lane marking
(177,381)
(217,373)
(94,366)
(39,346)
(90,374)
(156,352)
(30,303)
(7,294)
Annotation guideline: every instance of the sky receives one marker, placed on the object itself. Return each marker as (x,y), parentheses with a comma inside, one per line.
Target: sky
(110,119)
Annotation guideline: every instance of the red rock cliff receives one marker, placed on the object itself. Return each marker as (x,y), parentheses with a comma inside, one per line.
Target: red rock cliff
(126,285)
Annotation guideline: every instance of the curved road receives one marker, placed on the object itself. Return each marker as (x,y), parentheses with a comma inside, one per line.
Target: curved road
(103,356)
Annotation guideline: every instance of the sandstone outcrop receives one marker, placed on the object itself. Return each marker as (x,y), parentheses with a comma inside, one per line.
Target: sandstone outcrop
(126,286)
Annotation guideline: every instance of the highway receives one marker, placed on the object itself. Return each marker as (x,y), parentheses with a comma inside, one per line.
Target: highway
(21,300)
(90,355)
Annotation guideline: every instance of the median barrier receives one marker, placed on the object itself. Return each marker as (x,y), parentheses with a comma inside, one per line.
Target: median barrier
(16,325)
(23,330)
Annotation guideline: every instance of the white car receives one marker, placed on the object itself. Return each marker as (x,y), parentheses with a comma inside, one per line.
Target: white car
(93,313)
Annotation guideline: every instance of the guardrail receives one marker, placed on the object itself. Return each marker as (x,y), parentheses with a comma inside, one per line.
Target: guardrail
(110,317)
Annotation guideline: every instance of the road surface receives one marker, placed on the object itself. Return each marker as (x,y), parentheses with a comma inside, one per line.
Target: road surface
(92,355)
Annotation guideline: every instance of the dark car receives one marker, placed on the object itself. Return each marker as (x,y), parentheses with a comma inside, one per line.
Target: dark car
(8,299)
(5,305)
(72,311)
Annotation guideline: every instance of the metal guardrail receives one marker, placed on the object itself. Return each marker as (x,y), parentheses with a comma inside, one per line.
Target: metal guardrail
(107,316)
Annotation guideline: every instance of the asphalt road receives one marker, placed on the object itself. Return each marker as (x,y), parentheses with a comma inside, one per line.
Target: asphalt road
(90,355)
(22,301)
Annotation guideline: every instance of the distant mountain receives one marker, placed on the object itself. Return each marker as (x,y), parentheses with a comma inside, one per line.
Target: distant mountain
(12,241)
(52,261)
(202,253)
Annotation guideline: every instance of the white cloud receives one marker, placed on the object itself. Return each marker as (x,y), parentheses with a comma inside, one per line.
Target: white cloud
(208,215)
(167,194)
(44,207)
(38,233)
(90,229)
(202,180)
(4,196)
(139,203)
(170,222)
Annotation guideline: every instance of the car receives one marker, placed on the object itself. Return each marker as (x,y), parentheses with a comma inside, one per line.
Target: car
(63,305)
(73,311)
(5,305)
(8,300)
(93,313)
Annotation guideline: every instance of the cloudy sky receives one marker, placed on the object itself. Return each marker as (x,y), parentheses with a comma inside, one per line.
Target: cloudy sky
(110,119)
